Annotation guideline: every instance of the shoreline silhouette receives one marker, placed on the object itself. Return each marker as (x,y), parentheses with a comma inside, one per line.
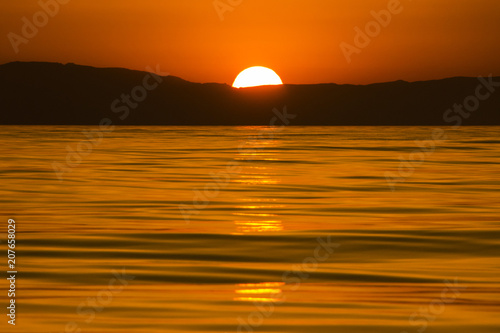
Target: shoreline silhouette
(41,93)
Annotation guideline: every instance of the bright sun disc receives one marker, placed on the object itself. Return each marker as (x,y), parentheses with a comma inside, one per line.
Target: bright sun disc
(256,76)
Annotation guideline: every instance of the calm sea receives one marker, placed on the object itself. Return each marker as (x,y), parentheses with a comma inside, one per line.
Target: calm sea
(252,229)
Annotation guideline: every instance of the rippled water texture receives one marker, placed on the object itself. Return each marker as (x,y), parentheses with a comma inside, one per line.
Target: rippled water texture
(241,229)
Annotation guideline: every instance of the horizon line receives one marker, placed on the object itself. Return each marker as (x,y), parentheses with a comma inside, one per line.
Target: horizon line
(230,85)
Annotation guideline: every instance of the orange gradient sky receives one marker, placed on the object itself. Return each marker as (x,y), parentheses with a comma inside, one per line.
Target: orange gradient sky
(300,40)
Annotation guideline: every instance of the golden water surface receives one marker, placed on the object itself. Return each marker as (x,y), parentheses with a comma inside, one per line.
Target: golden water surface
(252,229)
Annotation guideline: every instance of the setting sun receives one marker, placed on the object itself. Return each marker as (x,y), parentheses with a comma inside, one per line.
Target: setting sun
(256,76)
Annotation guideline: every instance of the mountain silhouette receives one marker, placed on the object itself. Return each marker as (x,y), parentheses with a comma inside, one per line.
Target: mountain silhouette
(39,93)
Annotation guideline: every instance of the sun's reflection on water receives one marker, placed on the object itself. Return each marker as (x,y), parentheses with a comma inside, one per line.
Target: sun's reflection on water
(258,292)
(259,211)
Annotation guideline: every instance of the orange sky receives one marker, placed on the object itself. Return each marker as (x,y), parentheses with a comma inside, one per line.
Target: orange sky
(299,39)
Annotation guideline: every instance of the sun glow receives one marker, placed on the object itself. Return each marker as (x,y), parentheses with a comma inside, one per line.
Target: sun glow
(256,76)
